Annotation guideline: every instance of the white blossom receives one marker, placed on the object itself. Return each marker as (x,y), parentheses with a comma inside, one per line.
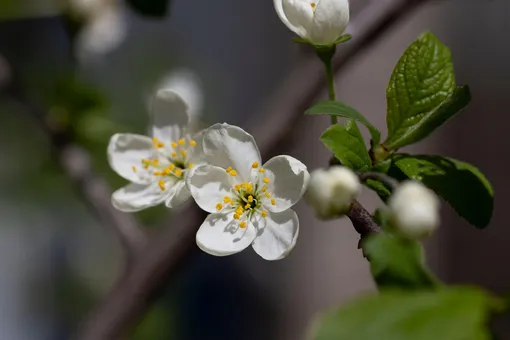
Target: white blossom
(414,210)
(332,190)
(249,203)
(321,22)
(157,166)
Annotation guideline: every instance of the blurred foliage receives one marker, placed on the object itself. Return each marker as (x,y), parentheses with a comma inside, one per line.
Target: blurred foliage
(156,325)
(152,8)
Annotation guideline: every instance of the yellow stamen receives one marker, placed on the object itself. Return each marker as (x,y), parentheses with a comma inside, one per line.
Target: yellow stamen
(228,169)
(155,140)
(183,153)
(242,224)
(219,206)
(273,202)
(237,187)
(192,143)
(190,165)
(264,213)
(178,172)
(161,184)
(167,171)
(268,195)
(255,165)
(158,173)
(250,198)
(174,154)
(171,166)
(173,144)
(236,217)
(181,141)
(233,173)
(262,170)
(134,168)
(266,180)
(313,4)
(247,206)
(264,188)
(239,210)
(155,162)
(227,199)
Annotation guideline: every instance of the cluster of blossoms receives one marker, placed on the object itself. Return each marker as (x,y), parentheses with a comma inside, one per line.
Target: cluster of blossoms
(222,170)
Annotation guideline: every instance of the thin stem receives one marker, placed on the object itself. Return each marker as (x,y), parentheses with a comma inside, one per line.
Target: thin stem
(330,75)
(326,55)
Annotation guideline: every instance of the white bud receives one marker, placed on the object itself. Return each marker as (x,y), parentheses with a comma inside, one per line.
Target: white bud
(321,22)
(414,210)
(332,190)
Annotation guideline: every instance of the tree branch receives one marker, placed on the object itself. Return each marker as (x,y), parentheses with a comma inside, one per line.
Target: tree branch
(165,253)
(362,221)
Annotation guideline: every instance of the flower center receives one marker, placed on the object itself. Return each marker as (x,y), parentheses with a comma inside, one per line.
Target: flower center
(246,198)
(169,161)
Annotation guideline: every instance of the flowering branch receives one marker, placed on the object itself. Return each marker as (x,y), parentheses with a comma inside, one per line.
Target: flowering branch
(165,253)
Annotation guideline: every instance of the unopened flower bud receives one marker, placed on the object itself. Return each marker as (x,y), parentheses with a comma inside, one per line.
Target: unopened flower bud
(332,190)
(414,210)
(320,22)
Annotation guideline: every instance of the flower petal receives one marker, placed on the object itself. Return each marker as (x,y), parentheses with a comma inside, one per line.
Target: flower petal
(230,146)
(329,21)
(277,235)
(208,185)
(197,156)
(170,116)
(127,150)
(288,179)
(221,235)
(177,194)
(278,5)
(135,197)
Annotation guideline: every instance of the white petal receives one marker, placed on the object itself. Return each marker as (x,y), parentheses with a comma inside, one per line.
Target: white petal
(135,197)
(277,236)
(127,150)
(196,153)
(188,85)
(329,21)
(278,5)
(170,116)
(230,146)
(220,235)
(288,181)
(177,194)
(208,185)
(299,13)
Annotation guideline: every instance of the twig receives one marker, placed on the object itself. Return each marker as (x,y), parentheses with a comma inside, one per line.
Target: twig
(362,221)
(164,254)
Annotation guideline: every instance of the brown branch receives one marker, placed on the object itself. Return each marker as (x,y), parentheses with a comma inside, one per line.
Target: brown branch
(362,221)
(163,256)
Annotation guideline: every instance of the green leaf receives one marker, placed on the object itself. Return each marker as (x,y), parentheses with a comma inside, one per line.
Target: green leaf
(420,95)
(397,263)
(461,184)
(150,8)
(333,108)
(457,313)
(342,39)
(347,145)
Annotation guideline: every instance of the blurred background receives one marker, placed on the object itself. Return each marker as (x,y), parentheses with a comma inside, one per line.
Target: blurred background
(228,57)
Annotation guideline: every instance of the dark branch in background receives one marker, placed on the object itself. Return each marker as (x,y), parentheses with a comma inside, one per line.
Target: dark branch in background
(166,252)
(77,165)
